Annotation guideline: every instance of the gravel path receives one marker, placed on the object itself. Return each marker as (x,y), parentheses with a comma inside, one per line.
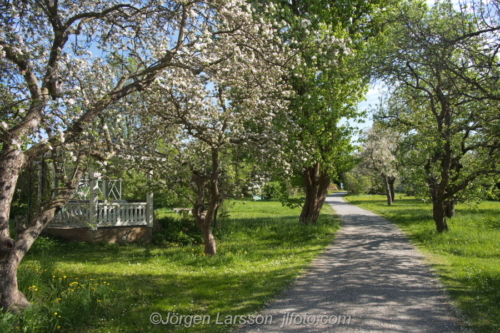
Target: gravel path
(371,273)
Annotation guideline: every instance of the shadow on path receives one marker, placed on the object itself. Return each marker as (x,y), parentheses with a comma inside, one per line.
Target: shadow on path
(370,279)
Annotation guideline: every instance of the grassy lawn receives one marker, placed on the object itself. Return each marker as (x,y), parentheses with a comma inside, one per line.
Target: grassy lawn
(467,258)
(110,288)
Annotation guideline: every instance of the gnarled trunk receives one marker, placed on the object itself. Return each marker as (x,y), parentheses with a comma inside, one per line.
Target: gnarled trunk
(11,163)
(12,299)
(209,240)
(438,209)
(204,218)
(316,182)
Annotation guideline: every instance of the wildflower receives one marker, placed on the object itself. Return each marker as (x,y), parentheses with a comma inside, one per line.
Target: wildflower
(58,327)
(55,313)
(98,300)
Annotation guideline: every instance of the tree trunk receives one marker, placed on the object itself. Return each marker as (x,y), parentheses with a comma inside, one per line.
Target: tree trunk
(392,180)
(12,299)
(11,164)
(449,207)
(316,182)
(438,208)
(204,218)
(208,238)
(388,190)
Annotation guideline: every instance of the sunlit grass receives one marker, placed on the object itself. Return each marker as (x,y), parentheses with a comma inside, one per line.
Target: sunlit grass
(467,258)
(261,248)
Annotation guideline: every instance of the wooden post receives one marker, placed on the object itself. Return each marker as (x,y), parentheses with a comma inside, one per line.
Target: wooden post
(105,188)
(149,205)
(55,183)
(94,196)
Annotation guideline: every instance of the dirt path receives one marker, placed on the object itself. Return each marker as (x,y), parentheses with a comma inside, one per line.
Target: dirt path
(370,279)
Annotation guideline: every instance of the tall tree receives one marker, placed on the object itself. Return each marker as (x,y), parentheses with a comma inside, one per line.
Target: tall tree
(450,127)
(328,82)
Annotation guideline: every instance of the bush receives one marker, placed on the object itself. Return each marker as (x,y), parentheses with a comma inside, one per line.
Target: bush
(357,184)
(271,191)
(176,232)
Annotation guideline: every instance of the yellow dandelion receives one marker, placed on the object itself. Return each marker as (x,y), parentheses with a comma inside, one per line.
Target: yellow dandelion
(55,313)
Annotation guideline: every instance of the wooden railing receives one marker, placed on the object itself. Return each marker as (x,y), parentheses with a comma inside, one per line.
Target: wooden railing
(73,214)
(106,215)
(122,214)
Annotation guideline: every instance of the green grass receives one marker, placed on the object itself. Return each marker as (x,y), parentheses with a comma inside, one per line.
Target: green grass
(467,258)
(111,288)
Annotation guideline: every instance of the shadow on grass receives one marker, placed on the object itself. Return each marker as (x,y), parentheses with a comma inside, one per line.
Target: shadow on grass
(212,288)
(258,259)
(477,292)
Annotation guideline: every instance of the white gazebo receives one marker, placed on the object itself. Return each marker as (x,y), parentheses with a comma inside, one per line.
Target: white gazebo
(99,214)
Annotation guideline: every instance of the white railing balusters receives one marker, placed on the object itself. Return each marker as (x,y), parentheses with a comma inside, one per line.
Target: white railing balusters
(108,214)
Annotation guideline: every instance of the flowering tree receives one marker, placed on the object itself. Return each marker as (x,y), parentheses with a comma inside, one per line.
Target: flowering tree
(380,157)
(204,116)
(64,63)
(328,81)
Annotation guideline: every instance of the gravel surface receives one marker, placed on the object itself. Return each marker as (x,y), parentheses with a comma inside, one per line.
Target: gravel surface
(371,273)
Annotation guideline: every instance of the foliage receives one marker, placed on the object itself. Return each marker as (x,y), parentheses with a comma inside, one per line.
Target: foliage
(356,183)
(467,258)
(177,232)
(271,190)
(450,130)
